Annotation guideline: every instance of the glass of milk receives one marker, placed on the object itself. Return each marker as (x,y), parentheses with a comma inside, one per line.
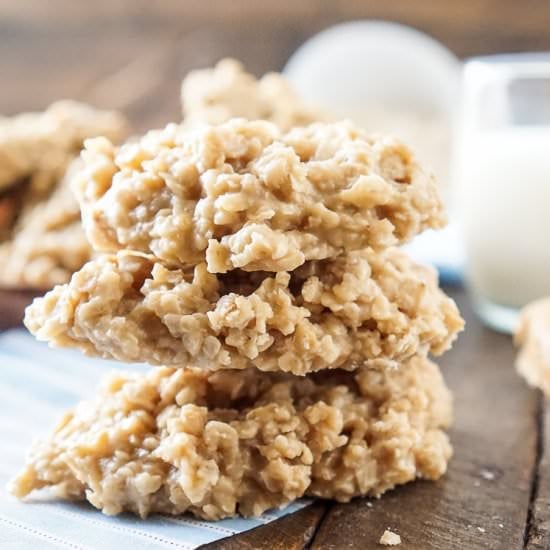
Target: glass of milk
(502,174)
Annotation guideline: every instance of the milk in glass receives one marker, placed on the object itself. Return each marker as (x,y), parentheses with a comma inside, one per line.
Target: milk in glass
(504,187)
(506,214)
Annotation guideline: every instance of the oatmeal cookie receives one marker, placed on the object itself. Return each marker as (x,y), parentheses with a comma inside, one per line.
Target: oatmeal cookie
(50,244)
(36,148)
(242,442)
(40,145)
(364,307)
(533,335)
(227,91)
(243,196)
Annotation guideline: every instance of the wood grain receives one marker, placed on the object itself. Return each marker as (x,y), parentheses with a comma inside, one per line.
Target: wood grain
(63,48)
(537,533)
(12,306)
(292,532)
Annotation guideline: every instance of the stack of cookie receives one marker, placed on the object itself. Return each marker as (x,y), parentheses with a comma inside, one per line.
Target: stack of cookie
(258,270)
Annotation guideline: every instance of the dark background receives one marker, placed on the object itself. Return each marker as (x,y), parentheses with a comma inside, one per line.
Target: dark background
(132,54)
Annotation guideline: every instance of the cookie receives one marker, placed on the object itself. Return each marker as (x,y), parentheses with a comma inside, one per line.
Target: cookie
(227,91)
(36,150)
(242,442)
(366,307)
(241,195)
(39,146)
(50,244)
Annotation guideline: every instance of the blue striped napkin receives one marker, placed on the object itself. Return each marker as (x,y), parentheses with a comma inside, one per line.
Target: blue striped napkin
(37,385)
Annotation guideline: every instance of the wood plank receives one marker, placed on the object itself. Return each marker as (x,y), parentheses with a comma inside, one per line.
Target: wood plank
(36,12)
(60,48)
(39,68)
(470,27)
(292,532)
(12,306)
(483,500)
(538,528)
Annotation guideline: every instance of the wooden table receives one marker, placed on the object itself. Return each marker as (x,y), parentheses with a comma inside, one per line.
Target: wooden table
(131,54)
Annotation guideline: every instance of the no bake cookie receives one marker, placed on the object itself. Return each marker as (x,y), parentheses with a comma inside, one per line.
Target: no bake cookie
(217,444)
(39,224)
(364,307)
(41,145)
(50,244)
(226,91)
(242,195)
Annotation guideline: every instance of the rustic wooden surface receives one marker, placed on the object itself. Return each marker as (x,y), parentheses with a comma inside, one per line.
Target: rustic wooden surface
(131,54)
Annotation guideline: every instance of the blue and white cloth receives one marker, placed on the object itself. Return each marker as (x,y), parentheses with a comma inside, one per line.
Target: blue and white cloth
(37,385)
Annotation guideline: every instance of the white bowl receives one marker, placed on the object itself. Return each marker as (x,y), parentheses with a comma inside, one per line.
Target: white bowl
(365,63)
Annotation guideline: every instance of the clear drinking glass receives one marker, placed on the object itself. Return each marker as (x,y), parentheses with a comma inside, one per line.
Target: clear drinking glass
(503,183)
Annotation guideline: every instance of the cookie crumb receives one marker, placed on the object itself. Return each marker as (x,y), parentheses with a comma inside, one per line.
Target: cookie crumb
(389,538)
(487,474)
